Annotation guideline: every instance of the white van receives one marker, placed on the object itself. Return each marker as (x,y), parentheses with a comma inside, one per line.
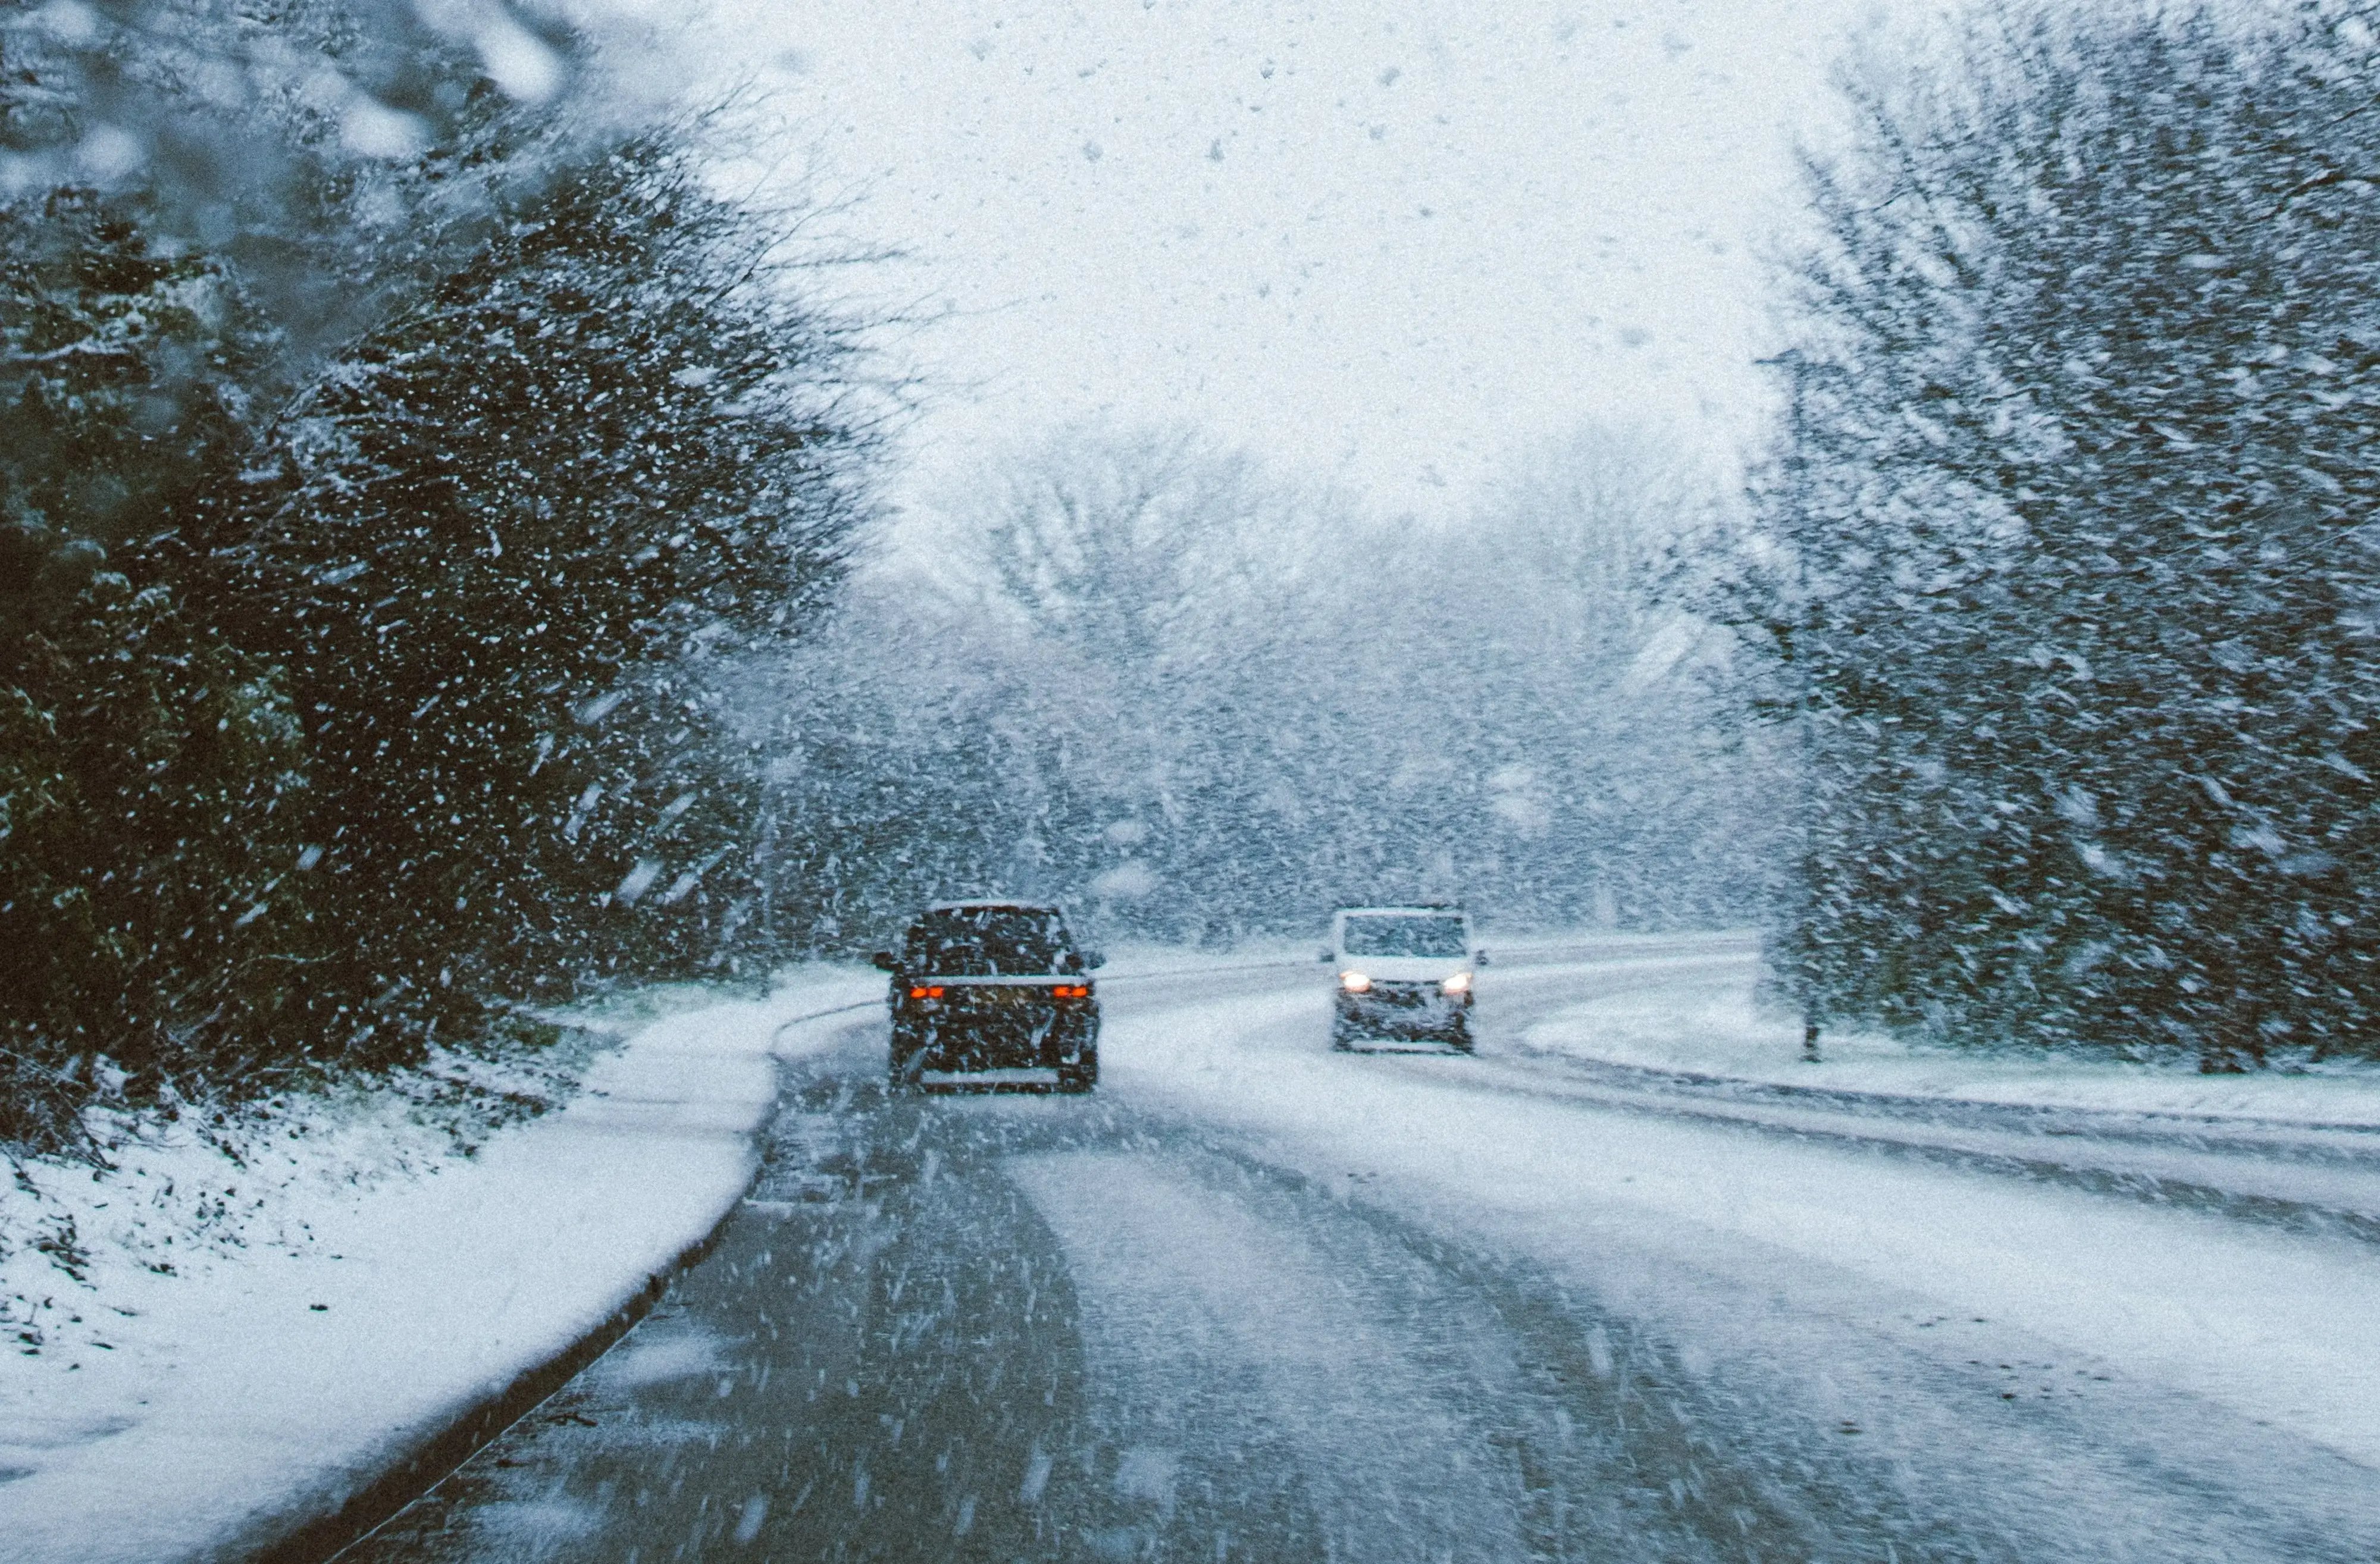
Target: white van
(1403,972)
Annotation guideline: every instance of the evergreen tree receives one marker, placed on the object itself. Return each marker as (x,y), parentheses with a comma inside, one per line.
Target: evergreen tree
(316,301)
(149,768)
(513,530)
(2067,579)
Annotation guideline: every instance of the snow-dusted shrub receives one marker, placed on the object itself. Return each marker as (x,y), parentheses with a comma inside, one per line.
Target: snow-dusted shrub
(150,793)
(2065,567)
(305,312)
(513,533)
(148,767)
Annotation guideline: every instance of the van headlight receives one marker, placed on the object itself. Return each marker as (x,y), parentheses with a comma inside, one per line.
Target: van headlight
(1458,984)
(1354,982)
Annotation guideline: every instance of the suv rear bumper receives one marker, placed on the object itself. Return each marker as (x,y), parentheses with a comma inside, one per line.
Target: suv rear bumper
(1005,1031)
(962,1052)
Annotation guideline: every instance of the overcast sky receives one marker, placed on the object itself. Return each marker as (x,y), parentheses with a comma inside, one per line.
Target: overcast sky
(1383,243)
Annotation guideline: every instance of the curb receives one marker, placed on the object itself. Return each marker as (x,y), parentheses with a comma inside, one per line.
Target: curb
(323,1537)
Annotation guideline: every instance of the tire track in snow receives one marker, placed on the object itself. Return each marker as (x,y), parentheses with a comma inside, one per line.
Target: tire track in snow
(1201,1322)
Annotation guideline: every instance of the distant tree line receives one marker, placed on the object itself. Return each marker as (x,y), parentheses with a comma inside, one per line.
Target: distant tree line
(2066,570)
(1135,672)
(393,449)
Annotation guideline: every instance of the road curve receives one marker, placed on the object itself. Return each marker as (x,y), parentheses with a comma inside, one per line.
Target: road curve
(1256,1301)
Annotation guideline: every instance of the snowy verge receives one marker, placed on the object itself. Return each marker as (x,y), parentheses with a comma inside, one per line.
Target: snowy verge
(214,1410)
(1693,1012)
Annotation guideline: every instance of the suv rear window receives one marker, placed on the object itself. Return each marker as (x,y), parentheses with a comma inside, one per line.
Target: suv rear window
(987,941)
(1405,934)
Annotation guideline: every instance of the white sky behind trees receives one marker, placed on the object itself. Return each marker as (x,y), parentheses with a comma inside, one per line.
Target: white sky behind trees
(1386,246)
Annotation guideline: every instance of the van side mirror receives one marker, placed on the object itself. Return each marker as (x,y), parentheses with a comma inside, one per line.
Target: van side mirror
(1325,953)
(1479,958)
(884,960)
(1093,960)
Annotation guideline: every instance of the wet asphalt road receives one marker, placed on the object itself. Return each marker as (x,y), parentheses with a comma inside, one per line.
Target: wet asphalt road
(1026,1326)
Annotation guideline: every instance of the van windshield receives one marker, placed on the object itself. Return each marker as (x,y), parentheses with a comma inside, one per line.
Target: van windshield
(987,942)
(1405,934)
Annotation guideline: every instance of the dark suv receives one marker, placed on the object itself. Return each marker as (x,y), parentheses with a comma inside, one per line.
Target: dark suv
(994,985)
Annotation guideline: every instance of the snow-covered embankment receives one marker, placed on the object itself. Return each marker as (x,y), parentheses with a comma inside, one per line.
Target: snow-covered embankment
(225,1404)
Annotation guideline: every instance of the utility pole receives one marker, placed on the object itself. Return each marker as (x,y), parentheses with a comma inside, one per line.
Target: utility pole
(1796,366)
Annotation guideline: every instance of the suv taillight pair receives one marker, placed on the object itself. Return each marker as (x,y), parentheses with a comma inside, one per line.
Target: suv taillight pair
(1063,990)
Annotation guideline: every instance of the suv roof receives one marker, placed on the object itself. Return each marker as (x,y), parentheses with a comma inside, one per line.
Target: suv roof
(989,939)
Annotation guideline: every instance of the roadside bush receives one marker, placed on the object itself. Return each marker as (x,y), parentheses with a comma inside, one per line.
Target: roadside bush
(511,534)
(387,469)
(2066,569)
(151,792)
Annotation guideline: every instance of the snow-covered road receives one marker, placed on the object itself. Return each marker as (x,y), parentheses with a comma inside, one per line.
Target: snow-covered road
(1256,1300)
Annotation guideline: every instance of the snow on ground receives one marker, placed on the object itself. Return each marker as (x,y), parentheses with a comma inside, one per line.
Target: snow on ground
(1176,1286)
(2239,1327)
(258,1332)
(1687,1004)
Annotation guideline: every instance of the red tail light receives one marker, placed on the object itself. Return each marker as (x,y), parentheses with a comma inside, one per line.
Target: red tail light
(1072,990)
(934,993)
